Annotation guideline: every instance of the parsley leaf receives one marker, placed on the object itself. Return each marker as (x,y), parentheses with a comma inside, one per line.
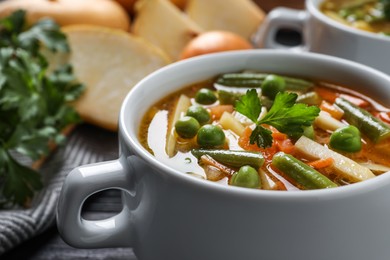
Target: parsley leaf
(20,182)
(45,32)
(289,117)
(261,136)
(285,115)
(34,104)
(249,105)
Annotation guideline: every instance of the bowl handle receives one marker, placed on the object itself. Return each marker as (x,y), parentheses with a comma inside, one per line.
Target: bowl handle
(279,18)
(83,181)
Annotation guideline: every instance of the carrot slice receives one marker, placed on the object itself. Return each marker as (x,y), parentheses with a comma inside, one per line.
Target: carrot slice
(327,94)
(278,135)
(384,116)
(321,163)
(355,100)
(217,111)
(285,146)
(332,110)
(280,143)
(244,141)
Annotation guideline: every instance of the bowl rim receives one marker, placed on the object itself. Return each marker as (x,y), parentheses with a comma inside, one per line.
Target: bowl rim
(131,141)
(314,10)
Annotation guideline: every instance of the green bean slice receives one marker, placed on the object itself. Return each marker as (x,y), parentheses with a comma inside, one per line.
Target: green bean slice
(301,172)
(232,158)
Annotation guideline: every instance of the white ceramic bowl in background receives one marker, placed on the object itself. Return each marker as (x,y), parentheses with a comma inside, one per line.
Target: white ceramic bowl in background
(324,35)
(170,215)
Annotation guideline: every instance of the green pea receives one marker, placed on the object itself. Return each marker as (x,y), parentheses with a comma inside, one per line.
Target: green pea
(346,139)
(199,113)
(247,177)
(210,136)
(273,84)
(205,96)
(187,127)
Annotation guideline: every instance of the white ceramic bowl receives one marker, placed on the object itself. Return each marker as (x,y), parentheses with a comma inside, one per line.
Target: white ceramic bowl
(324,35)
(171,215)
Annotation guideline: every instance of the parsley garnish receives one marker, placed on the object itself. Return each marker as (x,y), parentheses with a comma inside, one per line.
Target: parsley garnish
(34,104)
(285,115)
(249,105)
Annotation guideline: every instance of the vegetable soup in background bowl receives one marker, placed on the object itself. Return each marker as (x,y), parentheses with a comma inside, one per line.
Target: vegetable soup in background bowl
(368,15)
(261,125)
(350,29)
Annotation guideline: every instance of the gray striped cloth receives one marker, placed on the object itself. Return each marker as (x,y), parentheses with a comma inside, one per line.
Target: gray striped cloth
(86,144)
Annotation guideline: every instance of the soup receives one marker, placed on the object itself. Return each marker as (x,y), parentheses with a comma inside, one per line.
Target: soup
(368,15)
(271,132)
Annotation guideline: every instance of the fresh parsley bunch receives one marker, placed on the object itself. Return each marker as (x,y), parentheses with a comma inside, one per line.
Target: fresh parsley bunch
(34,105)
(285,115)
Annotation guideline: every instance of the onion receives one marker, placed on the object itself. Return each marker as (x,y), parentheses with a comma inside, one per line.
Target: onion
(213,173)
(214,41)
